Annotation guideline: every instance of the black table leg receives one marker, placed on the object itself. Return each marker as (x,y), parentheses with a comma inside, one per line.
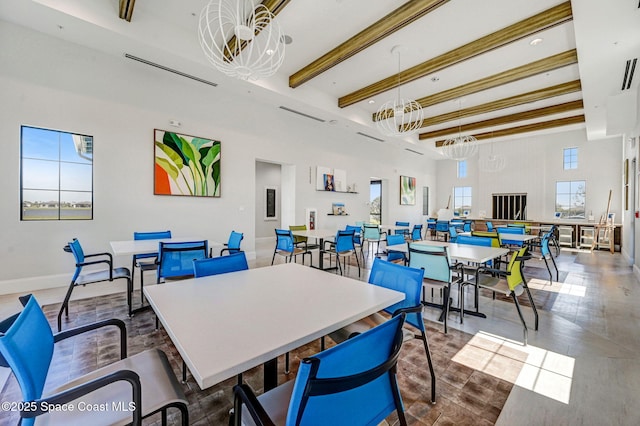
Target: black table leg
(270,374)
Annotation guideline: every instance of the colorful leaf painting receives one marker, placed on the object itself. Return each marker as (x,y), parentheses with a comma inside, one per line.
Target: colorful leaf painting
(407,190)
(186,165)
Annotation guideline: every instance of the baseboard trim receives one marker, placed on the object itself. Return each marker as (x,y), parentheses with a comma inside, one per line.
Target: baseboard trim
(27,284)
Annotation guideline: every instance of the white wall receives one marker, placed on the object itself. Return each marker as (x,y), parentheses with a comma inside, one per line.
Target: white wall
(533,166)
(49,83)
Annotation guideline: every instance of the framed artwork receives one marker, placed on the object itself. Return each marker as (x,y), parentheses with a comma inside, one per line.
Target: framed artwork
(186,165)
(407,190)
(425,201)
(270,203)
(329,184)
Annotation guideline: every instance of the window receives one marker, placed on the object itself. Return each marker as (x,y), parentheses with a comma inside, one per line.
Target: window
(509,206)
(570,158)
(462,200)
(462,169)
(375,202)
(56,171)
(570,199)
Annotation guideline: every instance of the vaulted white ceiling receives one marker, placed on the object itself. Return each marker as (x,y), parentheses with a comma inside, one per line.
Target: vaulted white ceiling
(606,34)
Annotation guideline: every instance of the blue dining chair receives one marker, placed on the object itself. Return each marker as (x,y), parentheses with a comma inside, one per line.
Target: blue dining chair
(176,259)
(232,245)
(393,255)
(404,232)
(343,247)
(442,229)
(489,225)
(408,281)
(94,276)
(431,227)
(357,237)
(220,265)
(416,232)
(146,261)
(145,379)
(372,234)
(439,270)
(453,234)
(503,236)
(353,383)
(287,248)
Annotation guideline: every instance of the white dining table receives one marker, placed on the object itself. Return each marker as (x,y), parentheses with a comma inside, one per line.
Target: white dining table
(131,247)
(462,253)
(223,325)
(319,235)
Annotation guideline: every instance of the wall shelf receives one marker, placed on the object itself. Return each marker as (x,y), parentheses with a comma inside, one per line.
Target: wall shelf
(337,192)
(331,214)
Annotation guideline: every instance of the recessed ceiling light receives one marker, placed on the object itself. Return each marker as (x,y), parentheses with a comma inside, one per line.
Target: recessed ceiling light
(286,39)
(371,101)
(535,41)
(435,78)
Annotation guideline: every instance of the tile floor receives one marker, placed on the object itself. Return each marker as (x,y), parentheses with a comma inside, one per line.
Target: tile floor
(580,368)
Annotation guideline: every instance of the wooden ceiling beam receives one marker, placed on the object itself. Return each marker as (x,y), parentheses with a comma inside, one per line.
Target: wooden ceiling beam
(525,98)
(552,17)
(506,119)
(126,9)
(526,128)
(398,19)
(274,6)
(550,63)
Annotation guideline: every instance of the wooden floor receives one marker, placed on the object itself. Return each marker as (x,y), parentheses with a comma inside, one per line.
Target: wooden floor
(580,368)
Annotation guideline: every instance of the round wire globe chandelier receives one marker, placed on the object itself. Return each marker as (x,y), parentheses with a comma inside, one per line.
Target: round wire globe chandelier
(241,39)
(460,147)
(399,117)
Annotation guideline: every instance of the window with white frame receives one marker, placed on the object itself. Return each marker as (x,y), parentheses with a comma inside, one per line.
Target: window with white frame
(570,199)
(570,158)
(462,200)
(56,175)
(462,169)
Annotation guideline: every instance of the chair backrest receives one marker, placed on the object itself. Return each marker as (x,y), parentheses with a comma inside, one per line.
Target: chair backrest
(158,235)
(442,226)
(371,232)
(511,230)
(544,246)
(467,226)
(76,249)
(176,259)
(27,346)
(351,383)
(220,265)
(344,241)
(434,260)
(395,239)
(453,232)
(474,241)
(284,240)
(155,235)
(402,223)
(416,233)
(403,279)
(296,238)
(357,231)
(495,241)
(489,225)
(515,279)
(235,238)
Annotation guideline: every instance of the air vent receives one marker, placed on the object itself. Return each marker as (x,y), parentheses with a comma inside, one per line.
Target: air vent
(415,152)
(302,114)
(629,70)
(370,137)
(171,70)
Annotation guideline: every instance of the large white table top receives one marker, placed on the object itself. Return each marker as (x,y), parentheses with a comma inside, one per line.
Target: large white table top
(131,247)
(223,325)
(461,252)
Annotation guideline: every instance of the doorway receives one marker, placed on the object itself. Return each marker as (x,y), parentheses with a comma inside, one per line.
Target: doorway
(375,202)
